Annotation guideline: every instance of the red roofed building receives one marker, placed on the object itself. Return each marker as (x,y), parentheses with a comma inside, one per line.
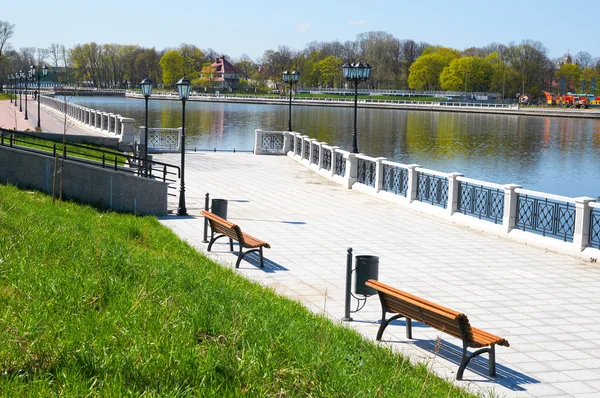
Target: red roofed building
(227,75)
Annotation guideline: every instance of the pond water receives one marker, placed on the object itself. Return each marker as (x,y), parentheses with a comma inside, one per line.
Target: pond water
(554,155)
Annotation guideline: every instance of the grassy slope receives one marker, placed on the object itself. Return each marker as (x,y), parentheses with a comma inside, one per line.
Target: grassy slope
(107,304)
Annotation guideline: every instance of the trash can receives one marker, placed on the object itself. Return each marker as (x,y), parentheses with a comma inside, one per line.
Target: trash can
(367,267)
(219,207)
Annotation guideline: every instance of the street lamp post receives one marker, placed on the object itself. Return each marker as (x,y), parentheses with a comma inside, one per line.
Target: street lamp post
(14,79)
(183,87)
(38,78)
(146,86)
(356,73)
(9,88)
(291,79)
(21,76)
(28,74)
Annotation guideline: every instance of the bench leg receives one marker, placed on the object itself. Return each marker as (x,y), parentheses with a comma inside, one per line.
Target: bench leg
(239,260)
(260,254)
(230,244)
(385,323)
(409,328)
(213,238)
(466,358)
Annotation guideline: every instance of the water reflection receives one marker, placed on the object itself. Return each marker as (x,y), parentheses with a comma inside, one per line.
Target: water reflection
(555,155)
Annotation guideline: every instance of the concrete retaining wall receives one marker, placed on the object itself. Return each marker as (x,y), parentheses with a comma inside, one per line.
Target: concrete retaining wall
(98,187)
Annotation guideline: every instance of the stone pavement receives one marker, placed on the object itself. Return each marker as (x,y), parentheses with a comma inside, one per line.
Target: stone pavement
(51,121)
(546,305)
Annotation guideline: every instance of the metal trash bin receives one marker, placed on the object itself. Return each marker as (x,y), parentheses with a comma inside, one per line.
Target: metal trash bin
(219,207)
(367,267)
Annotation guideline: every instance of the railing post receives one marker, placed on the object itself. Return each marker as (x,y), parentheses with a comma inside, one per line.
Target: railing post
(179,135)
(127,135)
(258,133)
(351,169)
(379,174)
(305,142)
(581,236)
(509,217)
(453,192)
(286,142)
(411,192)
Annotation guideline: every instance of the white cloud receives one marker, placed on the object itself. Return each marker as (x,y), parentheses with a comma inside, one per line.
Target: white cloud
(304,27)
(359,22)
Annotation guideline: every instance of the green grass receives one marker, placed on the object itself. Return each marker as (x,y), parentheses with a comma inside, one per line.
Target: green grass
(104,304)
(4,96)
(82,151)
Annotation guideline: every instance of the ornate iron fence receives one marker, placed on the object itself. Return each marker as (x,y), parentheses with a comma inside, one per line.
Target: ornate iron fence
(366,172)
(546,217)
(432,189)
(395,179)
(315,154)
(298,146)
(292,142)
(595,228)
(306,154)
(340,164)
(163,138)
(327,159)
(272,142)
(481,202)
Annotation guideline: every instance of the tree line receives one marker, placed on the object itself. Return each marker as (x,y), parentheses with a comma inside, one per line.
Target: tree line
(396,64)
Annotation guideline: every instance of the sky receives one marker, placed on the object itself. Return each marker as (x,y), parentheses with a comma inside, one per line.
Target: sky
(251,27)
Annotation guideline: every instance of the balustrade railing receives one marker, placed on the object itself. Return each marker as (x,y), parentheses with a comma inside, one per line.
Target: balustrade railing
(432,189)
(271,142)
(555,218)
(340,164)
(575,221)
(121,126)
(327,159)
(478,200)
(366,171)
(163,139)
(594,233)
(395,179)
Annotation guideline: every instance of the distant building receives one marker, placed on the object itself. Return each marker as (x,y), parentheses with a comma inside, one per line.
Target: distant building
(227,75)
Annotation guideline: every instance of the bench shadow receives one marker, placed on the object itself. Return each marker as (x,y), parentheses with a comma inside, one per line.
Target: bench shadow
(254,259)
(278,221)
(505,376)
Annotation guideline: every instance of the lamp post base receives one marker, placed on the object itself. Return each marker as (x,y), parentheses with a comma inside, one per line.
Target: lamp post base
(347,319)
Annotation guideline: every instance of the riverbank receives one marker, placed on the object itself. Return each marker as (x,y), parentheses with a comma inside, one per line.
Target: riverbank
(498,109)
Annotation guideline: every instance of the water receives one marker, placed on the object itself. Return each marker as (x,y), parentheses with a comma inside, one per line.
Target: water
(554,155)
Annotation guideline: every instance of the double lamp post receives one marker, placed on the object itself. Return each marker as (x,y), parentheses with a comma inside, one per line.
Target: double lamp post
(184,87)
(291,79)
(356,73)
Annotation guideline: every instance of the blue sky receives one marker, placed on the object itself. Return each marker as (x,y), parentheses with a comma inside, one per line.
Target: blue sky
(250,27)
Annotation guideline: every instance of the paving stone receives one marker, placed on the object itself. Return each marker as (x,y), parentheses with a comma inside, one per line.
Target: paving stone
(547,305)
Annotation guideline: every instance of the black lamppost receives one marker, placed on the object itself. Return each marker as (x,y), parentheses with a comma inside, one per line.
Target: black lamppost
(356,73)
(183,87)
(8,87)
(38,77)
(28,74)
(14,79)
(291,79)
(21,76)
(146,86)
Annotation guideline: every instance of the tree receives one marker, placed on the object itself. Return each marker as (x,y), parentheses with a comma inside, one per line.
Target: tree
(56,51)
(468,74)
(6,32)
(571,75)
(193,61)
(172,65)
(207,78)
(425,71)
(330,70)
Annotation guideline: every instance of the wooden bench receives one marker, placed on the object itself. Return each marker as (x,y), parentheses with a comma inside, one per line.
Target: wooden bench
(444,319)
(219,228)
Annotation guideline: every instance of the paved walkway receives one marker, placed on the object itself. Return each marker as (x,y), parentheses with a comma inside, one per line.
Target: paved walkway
(51,121)
(546,305)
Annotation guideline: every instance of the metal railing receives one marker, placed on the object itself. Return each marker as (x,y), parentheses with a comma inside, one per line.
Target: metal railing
(594,233)
(315,154)
(432,189)
(555,218)
(395,179)
(91,156)
(327,159)
(366,171)
(271,142)
(340,164)
(481,201)
(163,139)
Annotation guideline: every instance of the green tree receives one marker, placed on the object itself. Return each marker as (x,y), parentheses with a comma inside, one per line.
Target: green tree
(572,75)
(330,70)
(426,70)
(172,66)
(468,74)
